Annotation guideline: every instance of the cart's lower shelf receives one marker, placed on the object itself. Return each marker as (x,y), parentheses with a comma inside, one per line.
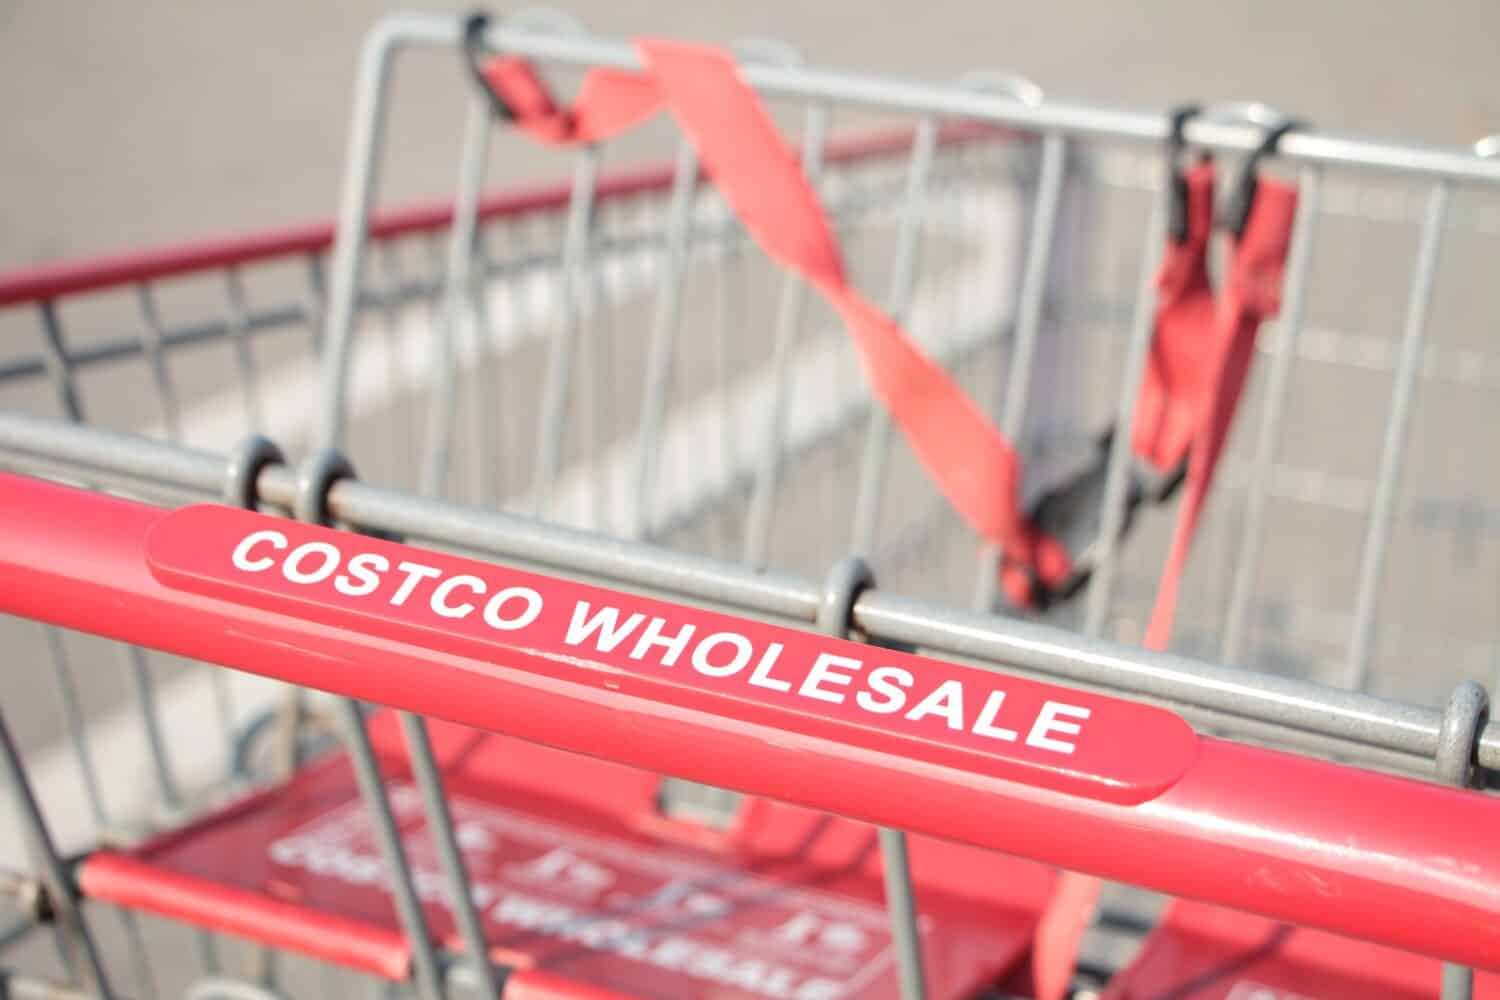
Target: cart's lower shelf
(576,874)
(575,871)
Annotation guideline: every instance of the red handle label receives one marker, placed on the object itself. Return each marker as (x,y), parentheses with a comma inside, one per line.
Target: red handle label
(746,672)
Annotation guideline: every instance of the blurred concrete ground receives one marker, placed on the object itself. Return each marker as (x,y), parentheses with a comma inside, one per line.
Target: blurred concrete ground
(162,119)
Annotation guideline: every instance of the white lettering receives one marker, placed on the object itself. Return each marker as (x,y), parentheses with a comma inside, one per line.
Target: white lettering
(710,963)
(562,865)
(288,851)
(364,567)
(779,985)
(1247,990)
(844,937)
(631,942)
(1047,722)
(531,914)
(672,953)
(493,618)
(820,989)
(442,591)
(483,895)
(742,654)
(831,678)
(799,928)
(884,681)
(431,886)
(606,622)
(985,724)
(415,573)
(823,669)
(551,864)
(947,700)
(762,675)
(721,965)
(674,645)
(749,974)
(292,568)
(601,935)
(241,557)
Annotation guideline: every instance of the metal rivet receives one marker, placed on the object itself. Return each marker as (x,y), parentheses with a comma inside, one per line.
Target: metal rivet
(1458,740)
(315,477)
(841,588)
(253,454)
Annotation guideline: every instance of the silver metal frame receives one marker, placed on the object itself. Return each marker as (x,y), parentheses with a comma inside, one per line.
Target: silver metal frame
(1240,703)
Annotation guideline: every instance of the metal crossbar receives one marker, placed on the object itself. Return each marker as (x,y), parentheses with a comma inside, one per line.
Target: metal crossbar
(1227,698)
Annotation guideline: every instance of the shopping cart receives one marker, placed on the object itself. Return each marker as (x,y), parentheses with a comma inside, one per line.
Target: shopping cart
(609,452)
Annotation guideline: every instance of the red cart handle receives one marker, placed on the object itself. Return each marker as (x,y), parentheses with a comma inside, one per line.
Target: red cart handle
(1141,799)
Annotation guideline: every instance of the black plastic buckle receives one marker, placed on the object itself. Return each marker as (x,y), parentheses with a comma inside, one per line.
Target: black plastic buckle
(1073,514)
(1237,210)
(1177,208)
(471,49)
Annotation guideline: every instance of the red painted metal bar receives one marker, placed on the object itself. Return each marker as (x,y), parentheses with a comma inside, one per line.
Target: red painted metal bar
(343,941)
(538,984)
(1399,862)
(45,282)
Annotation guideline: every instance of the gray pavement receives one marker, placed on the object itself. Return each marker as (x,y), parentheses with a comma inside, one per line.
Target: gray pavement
(159,120)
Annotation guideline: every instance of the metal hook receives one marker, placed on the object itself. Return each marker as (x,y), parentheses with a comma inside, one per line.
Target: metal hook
(471,49)
(1463,720)
(534,20)
(841,588)
(315,477)
(242,476)
(1274,125)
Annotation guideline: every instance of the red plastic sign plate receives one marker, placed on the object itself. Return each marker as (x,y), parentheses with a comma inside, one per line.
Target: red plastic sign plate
(789,682)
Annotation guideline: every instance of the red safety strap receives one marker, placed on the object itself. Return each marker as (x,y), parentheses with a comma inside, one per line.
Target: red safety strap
(974,466)
(1178,378)
(1059,934)
(1201,352)
(1251,295)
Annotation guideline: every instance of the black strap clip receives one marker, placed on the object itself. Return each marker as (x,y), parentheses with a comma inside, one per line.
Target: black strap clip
(1072,512)
(472,50)
(1237,210)
(1177,208)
